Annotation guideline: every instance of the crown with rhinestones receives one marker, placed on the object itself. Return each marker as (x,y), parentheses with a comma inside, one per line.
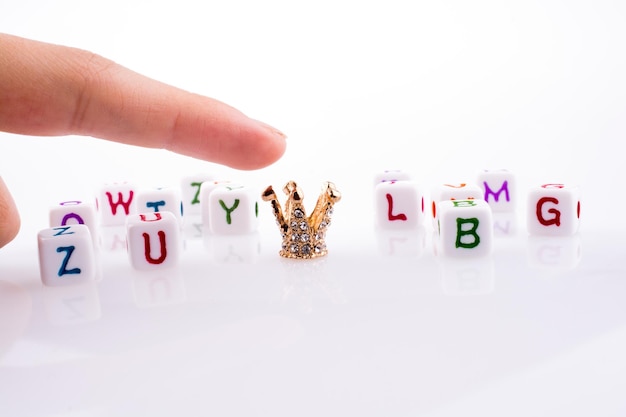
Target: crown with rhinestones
(303,237)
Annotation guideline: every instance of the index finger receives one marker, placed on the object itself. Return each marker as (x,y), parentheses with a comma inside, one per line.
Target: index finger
(54,90)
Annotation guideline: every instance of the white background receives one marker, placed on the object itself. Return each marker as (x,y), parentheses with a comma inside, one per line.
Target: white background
(439,89)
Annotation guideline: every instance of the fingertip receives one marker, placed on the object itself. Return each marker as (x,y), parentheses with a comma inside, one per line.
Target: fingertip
(9,216)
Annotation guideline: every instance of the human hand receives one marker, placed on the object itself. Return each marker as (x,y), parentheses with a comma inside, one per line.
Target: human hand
(51,90)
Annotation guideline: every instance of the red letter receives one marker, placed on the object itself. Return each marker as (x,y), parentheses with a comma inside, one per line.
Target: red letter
(125,204)
(557,214)
(146,241)
(390,214)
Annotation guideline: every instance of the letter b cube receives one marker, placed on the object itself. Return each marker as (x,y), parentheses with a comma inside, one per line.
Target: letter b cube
(553,209)
(465,228)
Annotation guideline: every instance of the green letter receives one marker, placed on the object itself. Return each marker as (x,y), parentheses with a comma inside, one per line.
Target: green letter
(460,232)
(229,210)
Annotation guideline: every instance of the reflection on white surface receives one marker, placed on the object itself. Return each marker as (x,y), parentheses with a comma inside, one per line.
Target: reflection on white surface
(554,252)
(361,330)
(229,249)
(467,276)
(402,242)
(158,288)
(74,304)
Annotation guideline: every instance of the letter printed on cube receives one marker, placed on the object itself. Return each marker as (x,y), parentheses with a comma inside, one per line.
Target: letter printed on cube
(155,200)
(498,188)
(116,202)
(446,192)
(553,209)
(465,228)
(66,255)
(398,205)
(190,192)
(233,209)
(391,175)
(206,189)
(153,240)
(74,212)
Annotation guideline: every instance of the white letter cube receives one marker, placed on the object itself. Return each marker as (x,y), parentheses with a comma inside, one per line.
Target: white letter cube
(66,255)
(498,187)
(190,187)
(233,209)
(74,212)
(153,240)
(398,205)
(553,209)
(155,200)
(446,192)
(206,189)
(391,175)
(465,228)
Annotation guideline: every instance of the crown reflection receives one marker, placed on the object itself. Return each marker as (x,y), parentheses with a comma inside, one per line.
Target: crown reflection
(303,238)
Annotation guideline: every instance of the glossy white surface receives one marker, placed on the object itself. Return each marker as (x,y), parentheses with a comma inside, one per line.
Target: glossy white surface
(382,326)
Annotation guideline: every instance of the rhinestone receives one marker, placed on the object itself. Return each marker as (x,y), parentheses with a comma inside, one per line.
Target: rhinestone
(323,224)
(295,237)
(294,225)
(293,248)
(305,237)
(304,226)
(298,213)
(306,249)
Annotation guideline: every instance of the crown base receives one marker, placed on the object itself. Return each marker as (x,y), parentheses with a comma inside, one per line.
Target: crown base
(317,254)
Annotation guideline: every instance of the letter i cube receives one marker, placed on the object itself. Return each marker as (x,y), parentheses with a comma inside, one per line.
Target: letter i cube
(465,228)
(66,255)
(233,209)
(75,212)
(398,205)
(498,188)
(116,202)
(153,240)
(446,192)
(154,200)
(190,191)
(553,209)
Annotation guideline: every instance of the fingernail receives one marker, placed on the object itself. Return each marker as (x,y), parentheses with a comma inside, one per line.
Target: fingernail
(272,129)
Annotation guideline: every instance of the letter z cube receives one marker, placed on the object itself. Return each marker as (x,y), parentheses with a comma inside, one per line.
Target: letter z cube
(66,255)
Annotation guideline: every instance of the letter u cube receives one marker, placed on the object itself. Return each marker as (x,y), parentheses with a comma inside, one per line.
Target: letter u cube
(153,240)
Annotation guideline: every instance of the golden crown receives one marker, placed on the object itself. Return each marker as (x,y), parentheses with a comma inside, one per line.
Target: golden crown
(303,238)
